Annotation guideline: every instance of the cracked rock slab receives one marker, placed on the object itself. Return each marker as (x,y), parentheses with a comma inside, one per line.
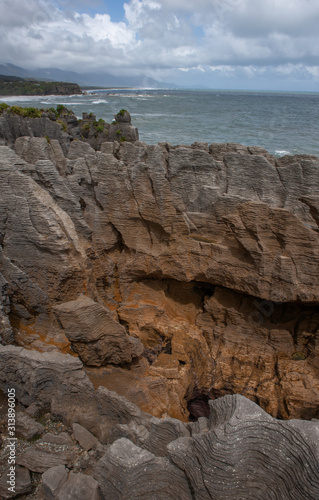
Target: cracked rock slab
(129,472)
(96,336)
(248,455)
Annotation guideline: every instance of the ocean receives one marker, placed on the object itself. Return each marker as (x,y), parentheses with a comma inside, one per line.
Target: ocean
(283,123)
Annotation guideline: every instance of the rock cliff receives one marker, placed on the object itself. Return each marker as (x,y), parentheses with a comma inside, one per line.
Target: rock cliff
(176,275)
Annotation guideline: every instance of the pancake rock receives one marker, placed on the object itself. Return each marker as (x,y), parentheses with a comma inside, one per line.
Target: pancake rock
(231,459)
(176,273)
(240,451)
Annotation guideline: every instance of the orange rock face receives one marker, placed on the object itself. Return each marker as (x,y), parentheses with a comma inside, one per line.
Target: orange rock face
(204,260)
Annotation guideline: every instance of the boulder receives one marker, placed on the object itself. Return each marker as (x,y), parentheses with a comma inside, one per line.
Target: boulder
(84,437)
(248,454)
(27,427)
(127,471)
(56,381)
(95,335)
(162,432)
(39,460)
(22,481)
(58,484)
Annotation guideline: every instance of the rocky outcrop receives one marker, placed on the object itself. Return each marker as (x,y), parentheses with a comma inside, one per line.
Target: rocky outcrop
(232,455)
(121,129)
(63,126)
(200,261)
(240,451)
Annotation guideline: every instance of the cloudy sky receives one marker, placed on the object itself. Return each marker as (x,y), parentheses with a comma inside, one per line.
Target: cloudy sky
(243,44)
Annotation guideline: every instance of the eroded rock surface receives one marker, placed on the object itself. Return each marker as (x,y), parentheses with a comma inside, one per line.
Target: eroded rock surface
(200,261)
(240,451)
(232,455)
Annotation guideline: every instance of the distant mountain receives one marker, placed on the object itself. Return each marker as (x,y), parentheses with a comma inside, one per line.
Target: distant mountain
(95,79)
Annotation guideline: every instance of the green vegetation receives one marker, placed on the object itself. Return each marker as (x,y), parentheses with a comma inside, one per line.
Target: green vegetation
(48,139)
(99,126)
(122,112)
(18,110)
(60,115)
(33,87)
(63,125)
(3,107)
(298,356)
(85,130)
(60,108)
(36,112)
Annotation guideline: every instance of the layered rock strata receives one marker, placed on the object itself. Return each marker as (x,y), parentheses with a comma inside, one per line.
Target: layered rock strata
(114,450)
(176,273)
(63,126)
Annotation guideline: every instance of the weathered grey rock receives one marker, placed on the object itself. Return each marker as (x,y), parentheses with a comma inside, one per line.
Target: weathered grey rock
(253,177)
(34,410)
(14,126)
(27,427)
(137,433)
(126,225)
(248,454)
(22,483)
(79,149)
(95,335)
(107,147)
(127,472)
(52,481)
(122,129)
(58,484)
(84,437)
(123,116)
(119,409)
(62,438)
(6,332)
(39,460)
(33,149)
(56,380)
(162,432)
(198,427)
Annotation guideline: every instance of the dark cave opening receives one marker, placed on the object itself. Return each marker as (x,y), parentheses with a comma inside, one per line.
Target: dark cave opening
(198,407)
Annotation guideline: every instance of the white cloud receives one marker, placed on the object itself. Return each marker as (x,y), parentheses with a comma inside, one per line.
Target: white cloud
(160,36)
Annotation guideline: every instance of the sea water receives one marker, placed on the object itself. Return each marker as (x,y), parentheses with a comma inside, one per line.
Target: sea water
(283,123)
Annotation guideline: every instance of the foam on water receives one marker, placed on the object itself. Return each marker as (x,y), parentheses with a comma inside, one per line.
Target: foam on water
(282,123)
(282,152)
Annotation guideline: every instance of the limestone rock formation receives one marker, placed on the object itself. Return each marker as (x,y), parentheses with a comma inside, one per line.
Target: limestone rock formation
(129,472)
(59,485)
(232,455)
(200,261)
(63,126)
(121,129)
(95,335)
(239,452)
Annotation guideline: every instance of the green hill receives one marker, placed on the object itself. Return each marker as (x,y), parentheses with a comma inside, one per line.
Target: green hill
(12,85)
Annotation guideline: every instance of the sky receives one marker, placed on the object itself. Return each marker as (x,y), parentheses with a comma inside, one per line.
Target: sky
(231,44)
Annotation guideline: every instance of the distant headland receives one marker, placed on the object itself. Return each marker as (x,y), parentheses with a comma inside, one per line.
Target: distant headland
(13,85)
